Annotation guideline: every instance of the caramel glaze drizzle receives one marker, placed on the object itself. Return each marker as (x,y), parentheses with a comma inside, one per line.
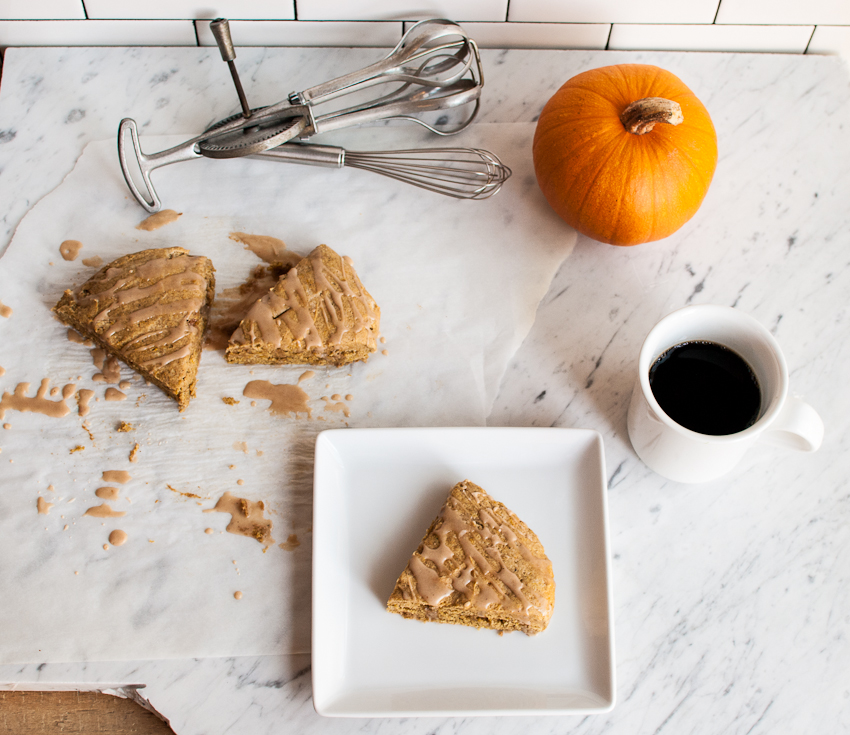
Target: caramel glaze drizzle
(157,272)
(484,581)
(40,403)
(288,301)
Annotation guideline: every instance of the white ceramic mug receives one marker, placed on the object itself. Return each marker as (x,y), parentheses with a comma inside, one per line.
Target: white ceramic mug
(687,456)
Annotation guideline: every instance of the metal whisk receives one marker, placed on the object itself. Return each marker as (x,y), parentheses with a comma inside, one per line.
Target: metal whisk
(463,173)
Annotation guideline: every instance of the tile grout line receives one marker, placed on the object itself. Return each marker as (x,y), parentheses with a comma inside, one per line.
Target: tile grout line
(806,50)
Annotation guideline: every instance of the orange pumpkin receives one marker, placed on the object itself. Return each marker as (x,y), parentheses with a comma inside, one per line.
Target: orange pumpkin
(625,153)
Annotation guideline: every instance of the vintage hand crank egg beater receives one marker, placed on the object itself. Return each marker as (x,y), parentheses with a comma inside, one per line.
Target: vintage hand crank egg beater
(435,66)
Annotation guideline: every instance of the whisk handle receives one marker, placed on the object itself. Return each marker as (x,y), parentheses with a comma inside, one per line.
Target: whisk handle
(308,154)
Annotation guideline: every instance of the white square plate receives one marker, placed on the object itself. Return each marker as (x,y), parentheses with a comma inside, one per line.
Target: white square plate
(375,493)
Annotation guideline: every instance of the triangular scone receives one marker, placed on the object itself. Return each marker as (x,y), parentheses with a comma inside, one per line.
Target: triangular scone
(318,313)
(477,565)
(149,310)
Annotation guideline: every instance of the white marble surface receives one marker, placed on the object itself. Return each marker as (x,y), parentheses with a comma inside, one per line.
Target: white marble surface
(732,599)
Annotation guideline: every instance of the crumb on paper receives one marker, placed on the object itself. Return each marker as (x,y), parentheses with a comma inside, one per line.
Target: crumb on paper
(187,495)
(78,448)
(124,426)
(134,453)
(229,401)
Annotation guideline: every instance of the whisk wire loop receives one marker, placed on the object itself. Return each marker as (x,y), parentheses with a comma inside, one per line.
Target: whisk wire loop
(462,173)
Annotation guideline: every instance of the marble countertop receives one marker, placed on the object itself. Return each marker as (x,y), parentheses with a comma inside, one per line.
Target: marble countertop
(731,599)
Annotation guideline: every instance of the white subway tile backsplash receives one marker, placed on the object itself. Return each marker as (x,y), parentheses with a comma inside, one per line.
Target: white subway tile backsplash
(458,10)
(96,33)
(773,39)
(191,9)
(706,25)
(613,11)
(831,40)
(379,34)
(785,12)
(539,35)
(41,9)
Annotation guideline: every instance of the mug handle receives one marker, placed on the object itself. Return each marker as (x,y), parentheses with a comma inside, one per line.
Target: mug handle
(798,427)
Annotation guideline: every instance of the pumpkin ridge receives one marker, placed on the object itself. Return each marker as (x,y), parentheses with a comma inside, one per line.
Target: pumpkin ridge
(700,150)
(565,155)
(634,83)
(658,196)
(660,77)
(700,174)
(706,142)
(595,93)
(617,147)
(640,154)
(602,140)
(668,85)
(615,217)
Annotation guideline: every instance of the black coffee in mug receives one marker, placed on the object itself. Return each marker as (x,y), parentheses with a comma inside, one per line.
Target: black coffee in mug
(706,388)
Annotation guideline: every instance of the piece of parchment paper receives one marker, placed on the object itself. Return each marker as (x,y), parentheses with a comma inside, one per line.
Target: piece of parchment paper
(458,283)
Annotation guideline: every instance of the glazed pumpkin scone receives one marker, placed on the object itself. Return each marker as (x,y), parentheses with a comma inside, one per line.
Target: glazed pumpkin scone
(318,313)
(478,565)
(150,310)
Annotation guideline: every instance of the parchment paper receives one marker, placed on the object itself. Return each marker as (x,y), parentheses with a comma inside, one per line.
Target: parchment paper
(458,283)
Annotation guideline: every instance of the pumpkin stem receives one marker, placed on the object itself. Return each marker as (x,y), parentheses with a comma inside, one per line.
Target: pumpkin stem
(640,117)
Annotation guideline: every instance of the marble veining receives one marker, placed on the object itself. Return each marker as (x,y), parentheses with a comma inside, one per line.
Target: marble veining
(732,599)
